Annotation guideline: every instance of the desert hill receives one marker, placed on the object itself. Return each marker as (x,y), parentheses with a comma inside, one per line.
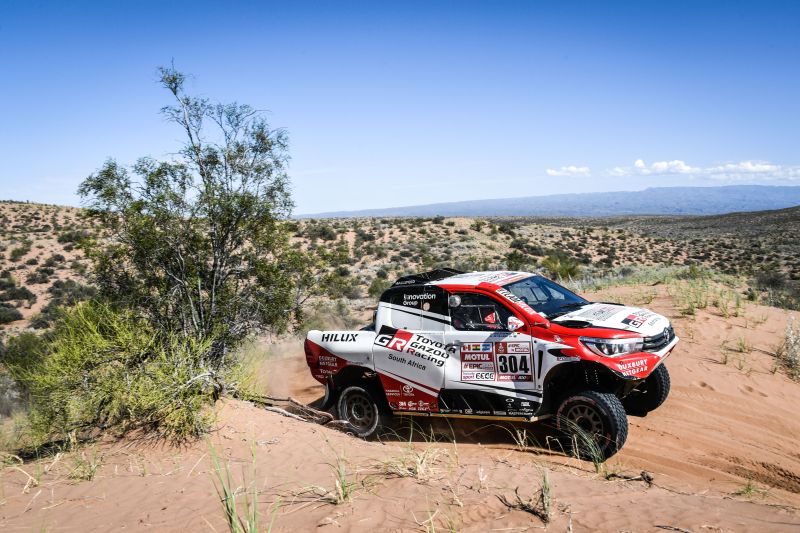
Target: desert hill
(40,260)
(651,201)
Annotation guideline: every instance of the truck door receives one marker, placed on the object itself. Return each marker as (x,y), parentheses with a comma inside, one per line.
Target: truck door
(409,351)
(490,371)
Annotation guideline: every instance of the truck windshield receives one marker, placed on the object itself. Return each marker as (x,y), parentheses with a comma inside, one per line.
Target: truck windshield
(546,297)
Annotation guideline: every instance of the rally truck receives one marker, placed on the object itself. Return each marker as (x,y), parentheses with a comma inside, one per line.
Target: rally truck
(496,345)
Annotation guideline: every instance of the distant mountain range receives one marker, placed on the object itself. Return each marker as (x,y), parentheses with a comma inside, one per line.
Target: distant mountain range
(653,201)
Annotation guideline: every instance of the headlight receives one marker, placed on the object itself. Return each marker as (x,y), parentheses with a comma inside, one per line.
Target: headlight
(613,347)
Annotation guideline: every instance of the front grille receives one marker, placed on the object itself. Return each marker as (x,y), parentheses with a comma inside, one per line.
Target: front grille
(657,342)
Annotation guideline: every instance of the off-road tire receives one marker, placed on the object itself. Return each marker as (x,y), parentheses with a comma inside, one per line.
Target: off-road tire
(358,408)
(650,394)
(592,417)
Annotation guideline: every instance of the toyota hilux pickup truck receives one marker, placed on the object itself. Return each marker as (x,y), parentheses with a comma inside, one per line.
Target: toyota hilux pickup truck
(496,345)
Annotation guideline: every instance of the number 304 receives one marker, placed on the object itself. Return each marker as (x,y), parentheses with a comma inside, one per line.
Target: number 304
(513,364)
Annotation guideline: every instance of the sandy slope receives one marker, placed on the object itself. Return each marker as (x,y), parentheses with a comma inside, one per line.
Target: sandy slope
(722,425)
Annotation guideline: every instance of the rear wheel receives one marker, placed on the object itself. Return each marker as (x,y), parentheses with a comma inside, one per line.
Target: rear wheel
(593,423)
(358,408)
(650,394)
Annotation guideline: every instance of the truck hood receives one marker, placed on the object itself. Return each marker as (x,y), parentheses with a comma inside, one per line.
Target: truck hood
(636,319)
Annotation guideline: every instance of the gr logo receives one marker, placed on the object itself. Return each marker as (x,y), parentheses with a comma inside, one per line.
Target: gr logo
(396,341)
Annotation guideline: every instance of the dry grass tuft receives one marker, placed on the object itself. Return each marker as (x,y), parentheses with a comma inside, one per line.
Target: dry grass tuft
(540,505)
(415,463)
(788,353)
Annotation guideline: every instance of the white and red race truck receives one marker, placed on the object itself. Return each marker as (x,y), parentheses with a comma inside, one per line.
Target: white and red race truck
(496,345)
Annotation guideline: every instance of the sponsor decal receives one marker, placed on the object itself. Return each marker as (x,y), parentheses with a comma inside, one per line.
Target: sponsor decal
(420,296)
(404,397)
(339,337)
(478,365)
(512,347)
(476,347)
(600,312)
(510,296)
(655,320)
(630,368)
(414,299)
(502,278)
(324,364)
(328,364)
(637,319)
(422,348)
(514,367)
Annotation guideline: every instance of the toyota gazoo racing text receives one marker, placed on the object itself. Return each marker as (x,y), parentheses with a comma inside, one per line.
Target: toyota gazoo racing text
(496,345)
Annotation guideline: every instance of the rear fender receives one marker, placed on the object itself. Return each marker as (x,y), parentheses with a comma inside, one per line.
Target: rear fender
(360,376)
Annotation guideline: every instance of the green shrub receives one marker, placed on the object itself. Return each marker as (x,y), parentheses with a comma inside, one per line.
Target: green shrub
(9,314)
(103,368)
(55,259)
(73,236)
(17,293)
(694,272)
(378,286)
(17,253)
(770,279)
(25,348)
(37,278)
(516,260)
(323,232)
(352,291)
(7,283)
(63,293)
(561,266)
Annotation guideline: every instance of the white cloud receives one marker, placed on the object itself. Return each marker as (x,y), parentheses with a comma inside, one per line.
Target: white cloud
(743,170)
(676,166)
(570,170)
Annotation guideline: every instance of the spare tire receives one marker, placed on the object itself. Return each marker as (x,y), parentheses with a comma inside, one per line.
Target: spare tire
(650,393)
(593,424)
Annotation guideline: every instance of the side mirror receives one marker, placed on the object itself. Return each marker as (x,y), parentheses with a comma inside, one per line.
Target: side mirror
(514,323)
(454,301)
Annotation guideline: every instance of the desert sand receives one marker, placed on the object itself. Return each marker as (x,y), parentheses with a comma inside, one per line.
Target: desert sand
(722,451)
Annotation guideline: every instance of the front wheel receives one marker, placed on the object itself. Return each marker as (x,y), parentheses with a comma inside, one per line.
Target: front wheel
(650,393)
(357,407)
(593,423)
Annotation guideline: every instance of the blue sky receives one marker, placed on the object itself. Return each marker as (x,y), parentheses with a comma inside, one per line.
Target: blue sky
(400,103)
